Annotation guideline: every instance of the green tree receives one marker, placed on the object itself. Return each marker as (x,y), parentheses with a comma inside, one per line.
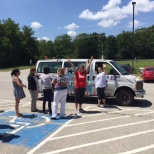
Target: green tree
(125,45)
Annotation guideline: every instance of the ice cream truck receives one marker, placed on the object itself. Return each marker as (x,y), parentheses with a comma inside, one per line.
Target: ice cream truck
(120,84)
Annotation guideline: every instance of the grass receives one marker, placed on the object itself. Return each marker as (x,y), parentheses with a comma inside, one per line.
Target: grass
(11,68)
(139,63)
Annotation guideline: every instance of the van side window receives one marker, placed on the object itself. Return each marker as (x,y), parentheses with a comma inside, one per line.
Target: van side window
(53,66)
(109,69)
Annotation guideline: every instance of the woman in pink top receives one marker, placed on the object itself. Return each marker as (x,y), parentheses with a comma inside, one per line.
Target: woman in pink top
(80,84)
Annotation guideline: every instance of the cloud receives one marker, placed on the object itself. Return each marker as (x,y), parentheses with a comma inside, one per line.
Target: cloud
(71,33)
(35,25)
(71,26)
(136,24)
(112,14)
(59,28)
(108,23)
(44,38)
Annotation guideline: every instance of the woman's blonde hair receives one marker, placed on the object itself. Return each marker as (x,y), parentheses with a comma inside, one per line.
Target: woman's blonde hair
(61,71)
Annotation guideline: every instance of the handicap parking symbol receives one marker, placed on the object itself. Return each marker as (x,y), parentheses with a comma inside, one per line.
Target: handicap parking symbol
(29,130)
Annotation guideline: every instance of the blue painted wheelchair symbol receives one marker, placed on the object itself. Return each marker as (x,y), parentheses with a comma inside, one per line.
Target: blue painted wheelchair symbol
(29,130)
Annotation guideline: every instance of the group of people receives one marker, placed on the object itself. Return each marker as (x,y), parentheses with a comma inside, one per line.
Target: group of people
(57,88)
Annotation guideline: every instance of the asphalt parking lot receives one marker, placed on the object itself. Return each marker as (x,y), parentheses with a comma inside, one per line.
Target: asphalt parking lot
(109,130)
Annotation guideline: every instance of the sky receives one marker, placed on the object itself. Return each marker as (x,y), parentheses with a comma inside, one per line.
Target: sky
(52,18)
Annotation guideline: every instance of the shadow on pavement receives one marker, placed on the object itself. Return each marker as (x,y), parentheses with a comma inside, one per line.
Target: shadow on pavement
(32,116)
(3,126)
(6,137)
(111,102)
(149,81)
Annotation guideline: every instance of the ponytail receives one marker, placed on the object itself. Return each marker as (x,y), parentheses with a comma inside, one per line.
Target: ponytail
(14,72)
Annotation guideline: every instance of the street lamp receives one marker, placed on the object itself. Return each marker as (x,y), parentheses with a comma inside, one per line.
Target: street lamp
(133,3)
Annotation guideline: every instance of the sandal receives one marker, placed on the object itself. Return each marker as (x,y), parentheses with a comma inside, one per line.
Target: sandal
(20,115)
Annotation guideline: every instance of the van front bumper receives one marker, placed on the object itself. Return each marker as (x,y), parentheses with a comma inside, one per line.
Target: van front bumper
(140,93)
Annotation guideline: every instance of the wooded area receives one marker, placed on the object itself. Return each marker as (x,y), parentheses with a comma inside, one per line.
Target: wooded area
(18,45)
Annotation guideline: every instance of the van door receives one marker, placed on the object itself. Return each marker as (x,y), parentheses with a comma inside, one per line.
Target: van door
(111,78)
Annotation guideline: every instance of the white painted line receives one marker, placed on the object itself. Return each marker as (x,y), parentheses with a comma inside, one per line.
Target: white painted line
(25,104)
(144,113)
(48,138)
(97,121)
(20,128)
(91,115)
(9,108)
(100,142)
(36,125)
(139,150)
(14,125)
(122,111)
(47,120)
(107,128)
(13,120)
(10,101)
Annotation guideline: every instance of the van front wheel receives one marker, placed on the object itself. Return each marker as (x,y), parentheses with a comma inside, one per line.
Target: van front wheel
(124,97)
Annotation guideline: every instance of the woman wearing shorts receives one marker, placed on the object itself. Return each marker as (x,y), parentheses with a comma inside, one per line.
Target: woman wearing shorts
(80,84)
(100,85)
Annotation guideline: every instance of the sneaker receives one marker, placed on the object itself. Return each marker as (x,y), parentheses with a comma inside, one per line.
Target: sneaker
(36,110)
(81,110)
(77,112)
(45,113)
(54,118)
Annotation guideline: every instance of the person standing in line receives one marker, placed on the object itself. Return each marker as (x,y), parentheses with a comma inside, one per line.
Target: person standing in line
(17,90)
(60,83)
(100,85)
(47,89)
(33,88)
(80,84)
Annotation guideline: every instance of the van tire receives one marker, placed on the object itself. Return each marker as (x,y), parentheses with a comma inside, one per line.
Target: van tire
(124,97)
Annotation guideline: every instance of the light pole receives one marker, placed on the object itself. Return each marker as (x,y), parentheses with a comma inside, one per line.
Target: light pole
(133,3)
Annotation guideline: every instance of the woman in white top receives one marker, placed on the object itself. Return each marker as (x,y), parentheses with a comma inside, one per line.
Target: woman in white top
(100,85)
(60,93)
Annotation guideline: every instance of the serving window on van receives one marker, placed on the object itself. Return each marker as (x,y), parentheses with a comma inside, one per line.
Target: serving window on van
(76,64)
(53,66)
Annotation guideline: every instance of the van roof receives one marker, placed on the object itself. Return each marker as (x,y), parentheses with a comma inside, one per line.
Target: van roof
(84,60)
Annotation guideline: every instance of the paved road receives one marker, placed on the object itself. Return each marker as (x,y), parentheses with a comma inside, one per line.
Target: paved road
(110,130)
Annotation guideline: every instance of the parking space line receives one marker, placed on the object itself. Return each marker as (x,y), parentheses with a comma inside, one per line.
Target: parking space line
(144,113)
(100,142)
(97,121)
(21,105)
(101,129)
(139,150)
(48,138)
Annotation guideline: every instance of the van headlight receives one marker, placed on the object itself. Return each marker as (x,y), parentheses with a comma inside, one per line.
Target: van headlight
(139,85)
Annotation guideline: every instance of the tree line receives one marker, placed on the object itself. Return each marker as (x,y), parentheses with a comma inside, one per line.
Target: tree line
(18,45)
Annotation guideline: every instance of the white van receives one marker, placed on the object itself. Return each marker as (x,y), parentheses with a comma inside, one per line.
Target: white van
(121,85)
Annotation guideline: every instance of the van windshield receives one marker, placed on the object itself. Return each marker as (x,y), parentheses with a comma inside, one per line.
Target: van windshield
(53,66)
(119,68)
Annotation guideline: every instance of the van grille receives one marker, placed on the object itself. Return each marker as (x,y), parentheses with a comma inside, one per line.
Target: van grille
(139,85)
